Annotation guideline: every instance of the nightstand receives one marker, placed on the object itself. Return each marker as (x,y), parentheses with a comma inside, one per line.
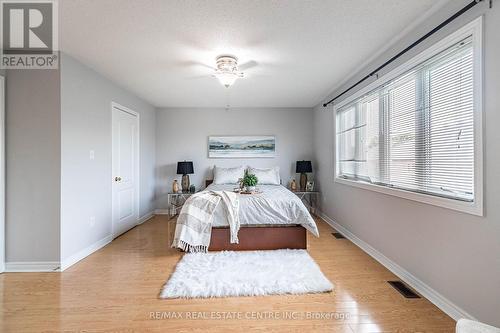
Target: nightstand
(176,201)
(309,198)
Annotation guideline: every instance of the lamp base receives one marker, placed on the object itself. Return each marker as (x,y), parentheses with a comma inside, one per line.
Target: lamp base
(303,181)
(185,183)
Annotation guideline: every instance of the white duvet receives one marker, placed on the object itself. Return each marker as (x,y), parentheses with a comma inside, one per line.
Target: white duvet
(275,205)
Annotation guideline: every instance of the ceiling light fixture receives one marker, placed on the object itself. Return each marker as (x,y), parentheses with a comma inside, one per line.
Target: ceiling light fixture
(227,70)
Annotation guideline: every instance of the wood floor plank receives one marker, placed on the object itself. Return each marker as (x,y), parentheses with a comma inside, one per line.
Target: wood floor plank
(116,290)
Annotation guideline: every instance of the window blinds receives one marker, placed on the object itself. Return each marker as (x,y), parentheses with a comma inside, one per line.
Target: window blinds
(414,132)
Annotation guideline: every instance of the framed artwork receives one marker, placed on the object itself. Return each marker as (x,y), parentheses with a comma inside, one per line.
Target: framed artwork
(310,186)
(263,146)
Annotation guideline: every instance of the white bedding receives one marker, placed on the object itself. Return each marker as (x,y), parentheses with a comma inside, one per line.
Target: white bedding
(276,205)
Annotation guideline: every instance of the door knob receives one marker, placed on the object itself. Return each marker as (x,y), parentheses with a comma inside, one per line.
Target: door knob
(118,179)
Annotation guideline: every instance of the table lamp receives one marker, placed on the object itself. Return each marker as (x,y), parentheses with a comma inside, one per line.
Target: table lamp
(185,168)
(303,167)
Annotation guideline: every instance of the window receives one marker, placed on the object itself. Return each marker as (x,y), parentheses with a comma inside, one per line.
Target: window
(415,132)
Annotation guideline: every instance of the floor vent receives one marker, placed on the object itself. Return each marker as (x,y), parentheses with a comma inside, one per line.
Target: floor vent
(338,235)
(403,289)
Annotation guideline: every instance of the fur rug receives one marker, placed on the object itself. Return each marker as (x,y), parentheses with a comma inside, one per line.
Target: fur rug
(245,273)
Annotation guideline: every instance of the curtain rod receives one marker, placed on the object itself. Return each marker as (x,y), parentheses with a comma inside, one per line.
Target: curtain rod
(418,41)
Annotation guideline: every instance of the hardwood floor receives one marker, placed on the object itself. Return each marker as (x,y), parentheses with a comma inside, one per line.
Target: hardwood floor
(116,290)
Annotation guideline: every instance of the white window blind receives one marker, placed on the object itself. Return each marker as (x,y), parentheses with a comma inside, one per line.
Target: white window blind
(414,132)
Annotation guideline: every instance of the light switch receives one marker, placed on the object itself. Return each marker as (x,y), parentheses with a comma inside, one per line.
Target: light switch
(92,155)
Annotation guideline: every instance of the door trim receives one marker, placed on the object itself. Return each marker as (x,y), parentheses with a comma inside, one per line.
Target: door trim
(3,242)
(120,107)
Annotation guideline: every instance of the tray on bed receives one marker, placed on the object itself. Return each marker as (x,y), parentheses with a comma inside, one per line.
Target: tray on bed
(250,192)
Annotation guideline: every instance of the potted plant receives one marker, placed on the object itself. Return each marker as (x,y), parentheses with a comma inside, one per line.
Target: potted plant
(250,181)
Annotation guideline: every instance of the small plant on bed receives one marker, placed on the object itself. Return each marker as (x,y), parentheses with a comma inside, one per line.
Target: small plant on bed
(250,181)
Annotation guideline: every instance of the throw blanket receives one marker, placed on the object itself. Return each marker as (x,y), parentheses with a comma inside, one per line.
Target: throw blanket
(194,223)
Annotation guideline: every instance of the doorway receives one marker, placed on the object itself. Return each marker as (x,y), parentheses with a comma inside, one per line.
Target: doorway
(2,174)
(125,166)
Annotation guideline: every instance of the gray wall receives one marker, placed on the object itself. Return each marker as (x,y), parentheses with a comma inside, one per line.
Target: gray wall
(86,125)
(33,145)
(456,254)
(182,134)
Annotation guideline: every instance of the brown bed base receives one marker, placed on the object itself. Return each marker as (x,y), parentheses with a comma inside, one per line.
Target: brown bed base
(260,238)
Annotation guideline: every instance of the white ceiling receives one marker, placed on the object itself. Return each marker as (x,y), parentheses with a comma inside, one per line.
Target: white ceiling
(157,48)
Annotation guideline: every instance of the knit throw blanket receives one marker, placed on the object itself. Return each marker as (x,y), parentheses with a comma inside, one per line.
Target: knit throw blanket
(194,223)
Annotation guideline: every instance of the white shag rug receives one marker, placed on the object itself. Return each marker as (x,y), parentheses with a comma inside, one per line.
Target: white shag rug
(245,273)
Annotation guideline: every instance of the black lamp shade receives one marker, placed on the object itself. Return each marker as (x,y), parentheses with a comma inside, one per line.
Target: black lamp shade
(184,168)
(303,167)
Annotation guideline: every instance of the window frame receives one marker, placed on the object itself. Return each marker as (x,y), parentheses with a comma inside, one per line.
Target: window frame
(474,207)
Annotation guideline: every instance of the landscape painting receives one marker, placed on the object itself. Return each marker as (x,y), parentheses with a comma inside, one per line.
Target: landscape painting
(241,146)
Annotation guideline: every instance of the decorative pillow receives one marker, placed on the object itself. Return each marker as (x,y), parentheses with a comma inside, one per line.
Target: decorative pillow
(228,175)
(266,176)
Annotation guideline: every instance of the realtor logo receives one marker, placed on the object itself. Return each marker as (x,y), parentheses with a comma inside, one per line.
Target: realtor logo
(28,34)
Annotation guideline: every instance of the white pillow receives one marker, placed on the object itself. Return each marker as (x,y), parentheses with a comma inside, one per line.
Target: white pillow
(266,176)
(228,175)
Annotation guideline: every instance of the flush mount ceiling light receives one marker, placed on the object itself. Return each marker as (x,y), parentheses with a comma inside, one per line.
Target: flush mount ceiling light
(227,70)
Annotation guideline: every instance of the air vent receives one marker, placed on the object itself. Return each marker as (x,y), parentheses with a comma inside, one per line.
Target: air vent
(338,235)
(403,289)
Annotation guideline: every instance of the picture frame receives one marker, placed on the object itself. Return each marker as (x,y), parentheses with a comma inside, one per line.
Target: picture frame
(309,186)
(242,146)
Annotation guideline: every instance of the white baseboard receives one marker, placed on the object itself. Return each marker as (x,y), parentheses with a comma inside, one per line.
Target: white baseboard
(423,289)
(145,217)
(54,266)
(68,262)
(31,266)
(161,211)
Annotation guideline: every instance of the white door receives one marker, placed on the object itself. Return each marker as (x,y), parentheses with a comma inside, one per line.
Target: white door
(2,175)
(125,169)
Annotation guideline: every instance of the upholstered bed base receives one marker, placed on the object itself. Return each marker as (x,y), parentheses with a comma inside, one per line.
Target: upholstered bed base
(260,238)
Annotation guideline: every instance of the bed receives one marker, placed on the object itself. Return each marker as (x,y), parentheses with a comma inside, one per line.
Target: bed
(273,219)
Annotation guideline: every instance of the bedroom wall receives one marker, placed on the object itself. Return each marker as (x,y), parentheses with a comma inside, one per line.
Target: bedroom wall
(456,254)
(86,98)
(33,149)
(182,134)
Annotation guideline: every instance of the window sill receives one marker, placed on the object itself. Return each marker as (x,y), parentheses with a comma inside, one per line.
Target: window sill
(474,208)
